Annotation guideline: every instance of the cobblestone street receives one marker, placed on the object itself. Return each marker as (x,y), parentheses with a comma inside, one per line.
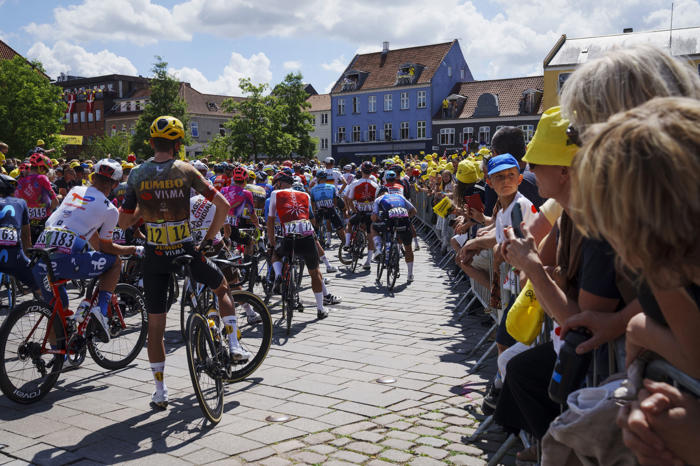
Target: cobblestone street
(323,377)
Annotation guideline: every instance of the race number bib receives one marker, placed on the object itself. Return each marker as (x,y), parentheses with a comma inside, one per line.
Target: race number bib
(57,238)
(8,236)
(398,212)
(37,213)
(298,227)
(245,213)
(328,203)
(167,233)
(259,213)
(232,220)
(118,236)
(198,234)
(364,206)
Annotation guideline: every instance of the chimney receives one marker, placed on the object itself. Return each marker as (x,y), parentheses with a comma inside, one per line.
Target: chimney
(385,47)
(627,30)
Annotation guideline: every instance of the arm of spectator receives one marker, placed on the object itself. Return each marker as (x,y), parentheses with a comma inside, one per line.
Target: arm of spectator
(605,326)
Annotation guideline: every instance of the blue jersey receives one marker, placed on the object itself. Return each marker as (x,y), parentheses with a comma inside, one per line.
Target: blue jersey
(268,188)
(392,206)
(323,195)
(14,213)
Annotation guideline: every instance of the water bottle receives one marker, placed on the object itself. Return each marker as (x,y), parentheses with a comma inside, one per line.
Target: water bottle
(81,312)
(571,368)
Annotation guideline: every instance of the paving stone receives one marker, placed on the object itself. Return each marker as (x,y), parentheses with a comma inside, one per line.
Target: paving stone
(307,425)
(322,449)
(339,442)
(320,437)
(308,457)
(259,454)
(400,425)
(432,441)
(433,416)
(352,428)
(431,424)
(275,461)
(340,418)
(364,447)
(367,436)
(464,448)
(425,461)
(379,463)
(205,455)
(289,445)
(402,435)
(412,412)
(422,430)
(350,456)
(396,456)
(359,408)
(273,433)
(432,452)
(398,443)
(387,419)
(458,421)
(465,460)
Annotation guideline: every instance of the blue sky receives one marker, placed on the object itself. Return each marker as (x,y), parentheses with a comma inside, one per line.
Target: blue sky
(212,43)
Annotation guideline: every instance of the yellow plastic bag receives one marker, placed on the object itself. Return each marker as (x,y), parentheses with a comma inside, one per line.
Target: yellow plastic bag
(443,207)
(525,317)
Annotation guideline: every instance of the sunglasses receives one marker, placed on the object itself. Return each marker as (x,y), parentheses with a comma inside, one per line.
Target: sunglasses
(106,171)
(573,136)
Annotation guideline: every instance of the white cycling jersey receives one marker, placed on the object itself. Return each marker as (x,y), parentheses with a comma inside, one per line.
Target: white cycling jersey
(201,217)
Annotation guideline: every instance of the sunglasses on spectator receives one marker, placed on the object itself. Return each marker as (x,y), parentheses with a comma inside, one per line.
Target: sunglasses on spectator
(573,136)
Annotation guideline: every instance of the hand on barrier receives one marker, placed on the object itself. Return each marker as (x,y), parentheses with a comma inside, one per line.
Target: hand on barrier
(605,327)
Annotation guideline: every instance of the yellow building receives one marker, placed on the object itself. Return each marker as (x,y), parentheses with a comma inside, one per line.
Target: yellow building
(568,53)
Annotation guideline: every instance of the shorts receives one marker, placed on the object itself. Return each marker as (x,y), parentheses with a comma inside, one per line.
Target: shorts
(403,229)
(239,237)
(332,215)
(15,263)
(362,217)
(304,247)
(156,273)
(502,335)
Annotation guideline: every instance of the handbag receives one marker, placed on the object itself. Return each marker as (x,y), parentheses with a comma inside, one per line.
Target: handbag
(525,317)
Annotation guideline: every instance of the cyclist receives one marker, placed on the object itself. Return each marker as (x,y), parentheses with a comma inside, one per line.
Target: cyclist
(394,211)
(86,217)
(360,196)
(324,198)
(348,174)
(160,189)
(242,211)
(293,208)
(35,188)
(15,234)
(220,180)
(392,186)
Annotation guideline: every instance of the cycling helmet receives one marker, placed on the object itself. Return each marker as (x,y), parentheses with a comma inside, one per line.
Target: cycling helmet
(7,185)
(330,160)
(390,175)
(283,177)
(322,175)
(288,171)
(109,168)
(382,190)
(131,158)
(39,161)
(268,168)
(297,167)
(251,175)
(167,127)
(298,186)
(200,166)
(262,177)
(347,167)
(239,174)
(366,167)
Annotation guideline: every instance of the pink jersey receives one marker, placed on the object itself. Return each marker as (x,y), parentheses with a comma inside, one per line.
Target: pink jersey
(241,201)
(36,190)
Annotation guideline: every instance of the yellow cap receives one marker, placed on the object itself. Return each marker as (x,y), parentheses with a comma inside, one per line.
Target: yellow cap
(468,172)
(422,152)
(74,164)
(40,142)
(550,145)
(127,166)
(54,162)
(484,151)
(14,173)
(2,157)
(429,157)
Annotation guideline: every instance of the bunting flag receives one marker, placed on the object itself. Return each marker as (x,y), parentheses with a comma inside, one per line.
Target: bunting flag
(71,102)
(90,100)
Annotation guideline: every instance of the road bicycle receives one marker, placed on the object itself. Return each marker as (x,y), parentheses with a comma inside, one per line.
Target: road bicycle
(390,256)
(358,242)
(8,294)
(37,339)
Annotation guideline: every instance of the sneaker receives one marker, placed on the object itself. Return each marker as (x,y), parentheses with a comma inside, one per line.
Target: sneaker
(253,318)
(102,324)
(239,354)
(159,399)
(417,248)
(366,266)
(488,405)
(409,279)
(331,269)
(322,313)
(346,248)
(326,280)
(330,299)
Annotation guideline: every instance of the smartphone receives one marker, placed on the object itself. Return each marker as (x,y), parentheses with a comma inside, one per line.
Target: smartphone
(474,201)
(516,218)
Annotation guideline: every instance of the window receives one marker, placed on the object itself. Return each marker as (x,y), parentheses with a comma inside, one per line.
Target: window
(340,134)
(98,115)
(356,133)
(82,116)
(341,106)
(355,105)
(222,130)
(404,101)
(194,129)
(461,74)
(387,102)
(372,103)
(485,134)
(497,128)
(75,118)
(467,135)
(529,131)
(449,71)
(562,79)
(404,130)
(387,131)
(420,129)
(314,122)
(324,143)
(447,137)
(324,118)
(372,132)
(90,117)
(421,99)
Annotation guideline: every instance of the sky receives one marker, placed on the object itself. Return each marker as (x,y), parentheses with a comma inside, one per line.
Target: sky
(214,43)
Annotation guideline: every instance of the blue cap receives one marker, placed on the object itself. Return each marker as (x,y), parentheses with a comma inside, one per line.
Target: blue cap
(502,162)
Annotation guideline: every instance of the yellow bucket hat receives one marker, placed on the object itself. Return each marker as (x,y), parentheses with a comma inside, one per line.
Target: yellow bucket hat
(484,151)
(550,145)
(468,172)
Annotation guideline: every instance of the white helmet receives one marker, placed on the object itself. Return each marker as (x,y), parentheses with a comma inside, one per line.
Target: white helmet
(109,168)
(329,160)
(200,166)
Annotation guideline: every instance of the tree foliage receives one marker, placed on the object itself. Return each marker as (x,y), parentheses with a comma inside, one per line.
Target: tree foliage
(31,107)
(116,147)
(298,120)
(164,100)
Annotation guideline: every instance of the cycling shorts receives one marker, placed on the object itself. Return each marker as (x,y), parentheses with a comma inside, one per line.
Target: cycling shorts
(361,217)
(332,215)
(156,274)
(14,262)
(403,229)
(304,247)
(240,237)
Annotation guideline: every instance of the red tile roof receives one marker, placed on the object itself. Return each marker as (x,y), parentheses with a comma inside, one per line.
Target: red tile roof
(319,102)
(382,70)
(509,92)
(8,53)
(200,103)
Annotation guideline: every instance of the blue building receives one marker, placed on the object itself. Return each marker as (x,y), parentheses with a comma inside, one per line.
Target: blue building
(383,103)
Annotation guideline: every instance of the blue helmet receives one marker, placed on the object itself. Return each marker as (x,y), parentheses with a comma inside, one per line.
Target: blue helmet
(390,175)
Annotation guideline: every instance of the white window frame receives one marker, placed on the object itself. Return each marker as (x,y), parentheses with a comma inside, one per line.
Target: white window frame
(388,102)
(404,101)
(194,129)
(75,118)
(341,106)
(467,134)
(356,134)
(404,130)
(461,74)
(98,114)
(89,117)
(324,118)
(388,127)
(82,116)
(372,104)
(447,137)
(528,132)
(372,132)
(449,71)
(340,131)
(421,99)
(355,105)
(420,129)
(487,131)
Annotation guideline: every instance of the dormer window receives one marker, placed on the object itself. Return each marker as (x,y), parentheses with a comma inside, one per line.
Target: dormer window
(212,107)
(530,101)
(406,74)
(350,81)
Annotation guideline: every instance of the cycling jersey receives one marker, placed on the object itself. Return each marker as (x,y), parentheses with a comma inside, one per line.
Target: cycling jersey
(324,195)
(335,175)
(259,197)
(118,194)
(395,188)
(14,214)
(268,188)
(241,201)
(221,181)
(391,206)
(201,217)
(362,193)
(293,208)
(349,177)
(37,191)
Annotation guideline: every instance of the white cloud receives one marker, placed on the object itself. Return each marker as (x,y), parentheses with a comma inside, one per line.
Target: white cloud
(337,65)
(292,65)
(138,21)
(257,68)
(685,14)
(73,59)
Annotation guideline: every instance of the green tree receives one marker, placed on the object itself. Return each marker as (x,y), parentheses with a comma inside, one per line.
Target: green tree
(31,107)
(297,120)
(116,147)
(218,148)
(257,124)
(164,100)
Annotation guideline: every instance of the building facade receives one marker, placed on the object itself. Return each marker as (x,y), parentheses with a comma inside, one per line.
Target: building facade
(568,53)
(383,102)
(477,109)
(321,111)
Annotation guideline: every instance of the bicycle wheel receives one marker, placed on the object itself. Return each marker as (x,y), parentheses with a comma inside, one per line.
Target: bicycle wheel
(203,363)
(252,273)
(173,290)
(8,295)
(392,268)
(322,230)
(380,268)
(299,269)
(254,338)
(357,248)
(345,257)
(128,326)
(27,371)
(205,298)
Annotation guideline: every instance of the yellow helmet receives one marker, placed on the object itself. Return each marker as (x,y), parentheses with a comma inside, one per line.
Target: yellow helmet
(14,173)
(2,158)
(167,127)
